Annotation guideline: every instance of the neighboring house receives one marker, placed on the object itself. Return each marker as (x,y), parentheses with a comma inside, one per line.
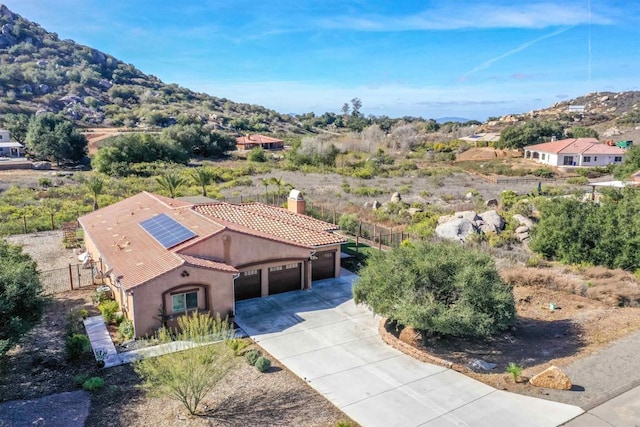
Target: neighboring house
(575,152)
(163,257)
(9,148)
(249,142)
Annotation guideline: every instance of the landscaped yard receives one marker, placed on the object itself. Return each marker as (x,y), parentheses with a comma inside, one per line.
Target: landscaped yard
(38,367)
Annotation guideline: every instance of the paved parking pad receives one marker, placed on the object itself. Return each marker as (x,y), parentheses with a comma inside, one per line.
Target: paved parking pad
(324,338)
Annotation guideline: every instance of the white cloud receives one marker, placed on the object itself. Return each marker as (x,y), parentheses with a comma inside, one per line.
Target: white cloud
(473,16)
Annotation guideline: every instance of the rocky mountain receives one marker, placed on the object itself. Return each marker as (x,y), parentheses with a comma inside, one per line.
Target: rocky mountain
(41,72)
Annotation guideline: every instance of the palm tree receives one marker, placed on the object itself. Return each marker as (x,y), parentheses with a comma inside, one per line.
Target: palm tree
(95,185)
(170,181)
(202,177)
(266,182)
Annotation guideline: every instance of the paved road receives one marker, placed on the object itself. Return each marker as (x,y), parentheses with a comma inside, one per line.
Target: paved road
(323,337)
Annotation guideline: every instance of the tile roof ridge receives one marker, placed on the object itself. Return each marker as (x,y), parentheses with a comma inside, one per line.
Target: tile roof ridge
(163,200)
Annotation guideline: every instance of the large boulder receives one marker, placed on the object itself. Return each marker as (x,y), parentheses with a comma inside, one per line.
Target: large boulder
(552,377)
(458,229)
(468,215)
(523,220)
(43,166)
(395,197)
(491,222)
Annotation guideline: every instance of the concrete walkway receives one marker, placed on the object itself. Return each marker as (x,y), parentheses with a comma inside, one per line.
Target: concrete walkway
(324,338)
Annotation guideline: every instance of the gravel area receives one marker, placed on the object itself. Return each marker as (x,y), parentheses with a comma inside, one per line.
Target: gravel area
(45,247)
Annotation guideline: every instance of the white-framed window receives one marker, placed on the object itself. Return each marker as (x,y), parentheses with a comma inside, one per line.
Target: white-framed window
(276,268)
(184,301)
(586,159)
(290,266)
(250,272)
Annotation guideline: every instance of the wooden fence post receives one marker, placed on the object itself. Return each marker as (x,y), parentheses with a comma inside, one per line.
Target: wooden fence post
(24,222)
(53,227)
(70,277)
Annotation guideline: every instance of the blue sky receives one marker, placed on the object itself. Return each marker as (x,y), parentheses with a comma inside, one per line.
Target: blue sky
(420,58)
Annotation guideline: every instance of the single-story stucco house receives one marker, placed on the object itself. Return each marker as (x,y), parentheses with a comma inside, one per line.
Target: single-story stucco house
(9,148)
(249,142)
(575,152)
(164,257)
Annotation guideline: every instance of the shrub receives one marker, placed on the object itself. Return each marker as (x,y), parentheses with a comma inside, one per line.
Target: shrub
(108,310)
(93,384)
(543,173)
(515,370)
(80,379)
(578,180)
(73,323)
(100,296)
(252,357)
(348,223)
(257,155)
(263,364)
(125,330)
(76,346)
(84,313)
(237,345)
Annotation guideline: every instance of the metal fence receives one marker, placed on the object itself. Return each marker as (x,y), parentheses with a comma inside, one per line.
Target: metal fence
(74,276)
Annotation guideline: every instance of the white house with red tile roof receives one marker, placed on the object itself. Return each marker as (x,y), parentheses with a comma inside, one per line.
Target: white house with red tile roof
(575,152)
(167,256)
(249,142)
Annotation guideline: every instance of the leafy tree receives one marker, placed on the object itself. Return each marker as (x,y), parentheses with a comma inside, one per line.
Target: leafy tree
(21,298)
(530,133)
(202,177)
(581,132)
(170,182)
(198,140)
(120,152)
(17,125)
(95,186)
(437,288)
(316,151)
(51,137)
(630,165)
(356,104)
(188,376)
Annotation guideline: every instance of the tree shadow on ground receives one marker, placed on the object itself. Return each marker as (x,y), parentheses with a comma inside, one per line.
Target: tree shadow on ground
(531,342)
(239,409)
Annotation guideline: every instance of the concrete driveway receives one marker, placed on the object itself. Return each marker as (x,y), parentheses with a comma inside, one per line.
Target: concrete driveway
(324,338)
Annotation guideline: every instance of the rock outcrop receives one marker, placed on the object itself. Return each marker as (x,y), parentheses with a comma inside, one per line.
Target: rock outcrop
(552,377)
(457,229)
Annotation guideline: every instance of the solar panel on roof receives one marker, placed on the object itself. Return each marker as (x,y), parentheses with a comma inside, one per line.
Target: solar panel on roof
(166,230)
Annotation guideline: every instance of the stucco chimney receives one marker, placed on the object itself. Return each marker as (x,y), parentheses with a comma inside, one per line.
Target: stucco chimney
(296,203)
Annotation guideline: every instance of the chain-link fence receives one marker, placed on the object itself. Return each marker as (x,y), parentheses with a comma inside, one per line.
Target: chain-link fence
(74,276)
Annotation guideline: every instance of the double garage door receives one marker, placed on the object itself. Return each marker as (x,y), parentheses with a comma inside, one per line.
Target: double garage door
(283,278)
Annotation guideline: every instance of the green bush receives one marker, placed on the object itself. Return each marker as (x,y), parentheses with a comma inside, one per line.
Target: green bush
(543,173)
(76,346)
(108,310)
(125,330)
(237,345)
(80,379)
(348,223)
(93,384)
(252,356)
(263,364)
(578,180)
(73,323)
(257,155)
(84,313)
(515,370)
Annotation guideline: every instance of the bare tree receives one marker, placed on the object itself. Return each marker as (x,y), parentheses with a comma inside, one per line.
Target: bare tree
(372,138)
(404,136)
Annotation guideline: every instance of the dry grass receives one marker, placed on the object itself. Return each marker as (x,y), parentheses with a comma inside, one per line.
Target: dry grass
(616,288)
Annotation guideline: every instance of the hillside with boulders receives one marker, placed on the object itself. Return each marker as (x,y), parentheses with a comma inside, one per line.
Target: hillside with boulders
(39,72)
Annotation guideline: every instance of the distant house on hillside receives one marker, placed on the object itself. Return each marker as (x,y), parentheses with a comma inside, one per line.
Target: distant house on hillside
(576,109)
(249,142)
(9,148)
(575,152)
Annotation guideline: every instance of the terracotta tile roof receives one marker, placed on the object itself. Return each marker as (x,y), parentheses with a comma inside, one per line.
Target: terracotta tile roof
(207,263)
(128,249)
(136,257)
(272,223)
(576,146)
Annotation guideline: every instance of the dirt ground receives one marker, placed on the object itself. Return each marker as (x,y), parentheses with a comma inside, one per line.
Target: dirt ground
(37,367)
(578,326)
